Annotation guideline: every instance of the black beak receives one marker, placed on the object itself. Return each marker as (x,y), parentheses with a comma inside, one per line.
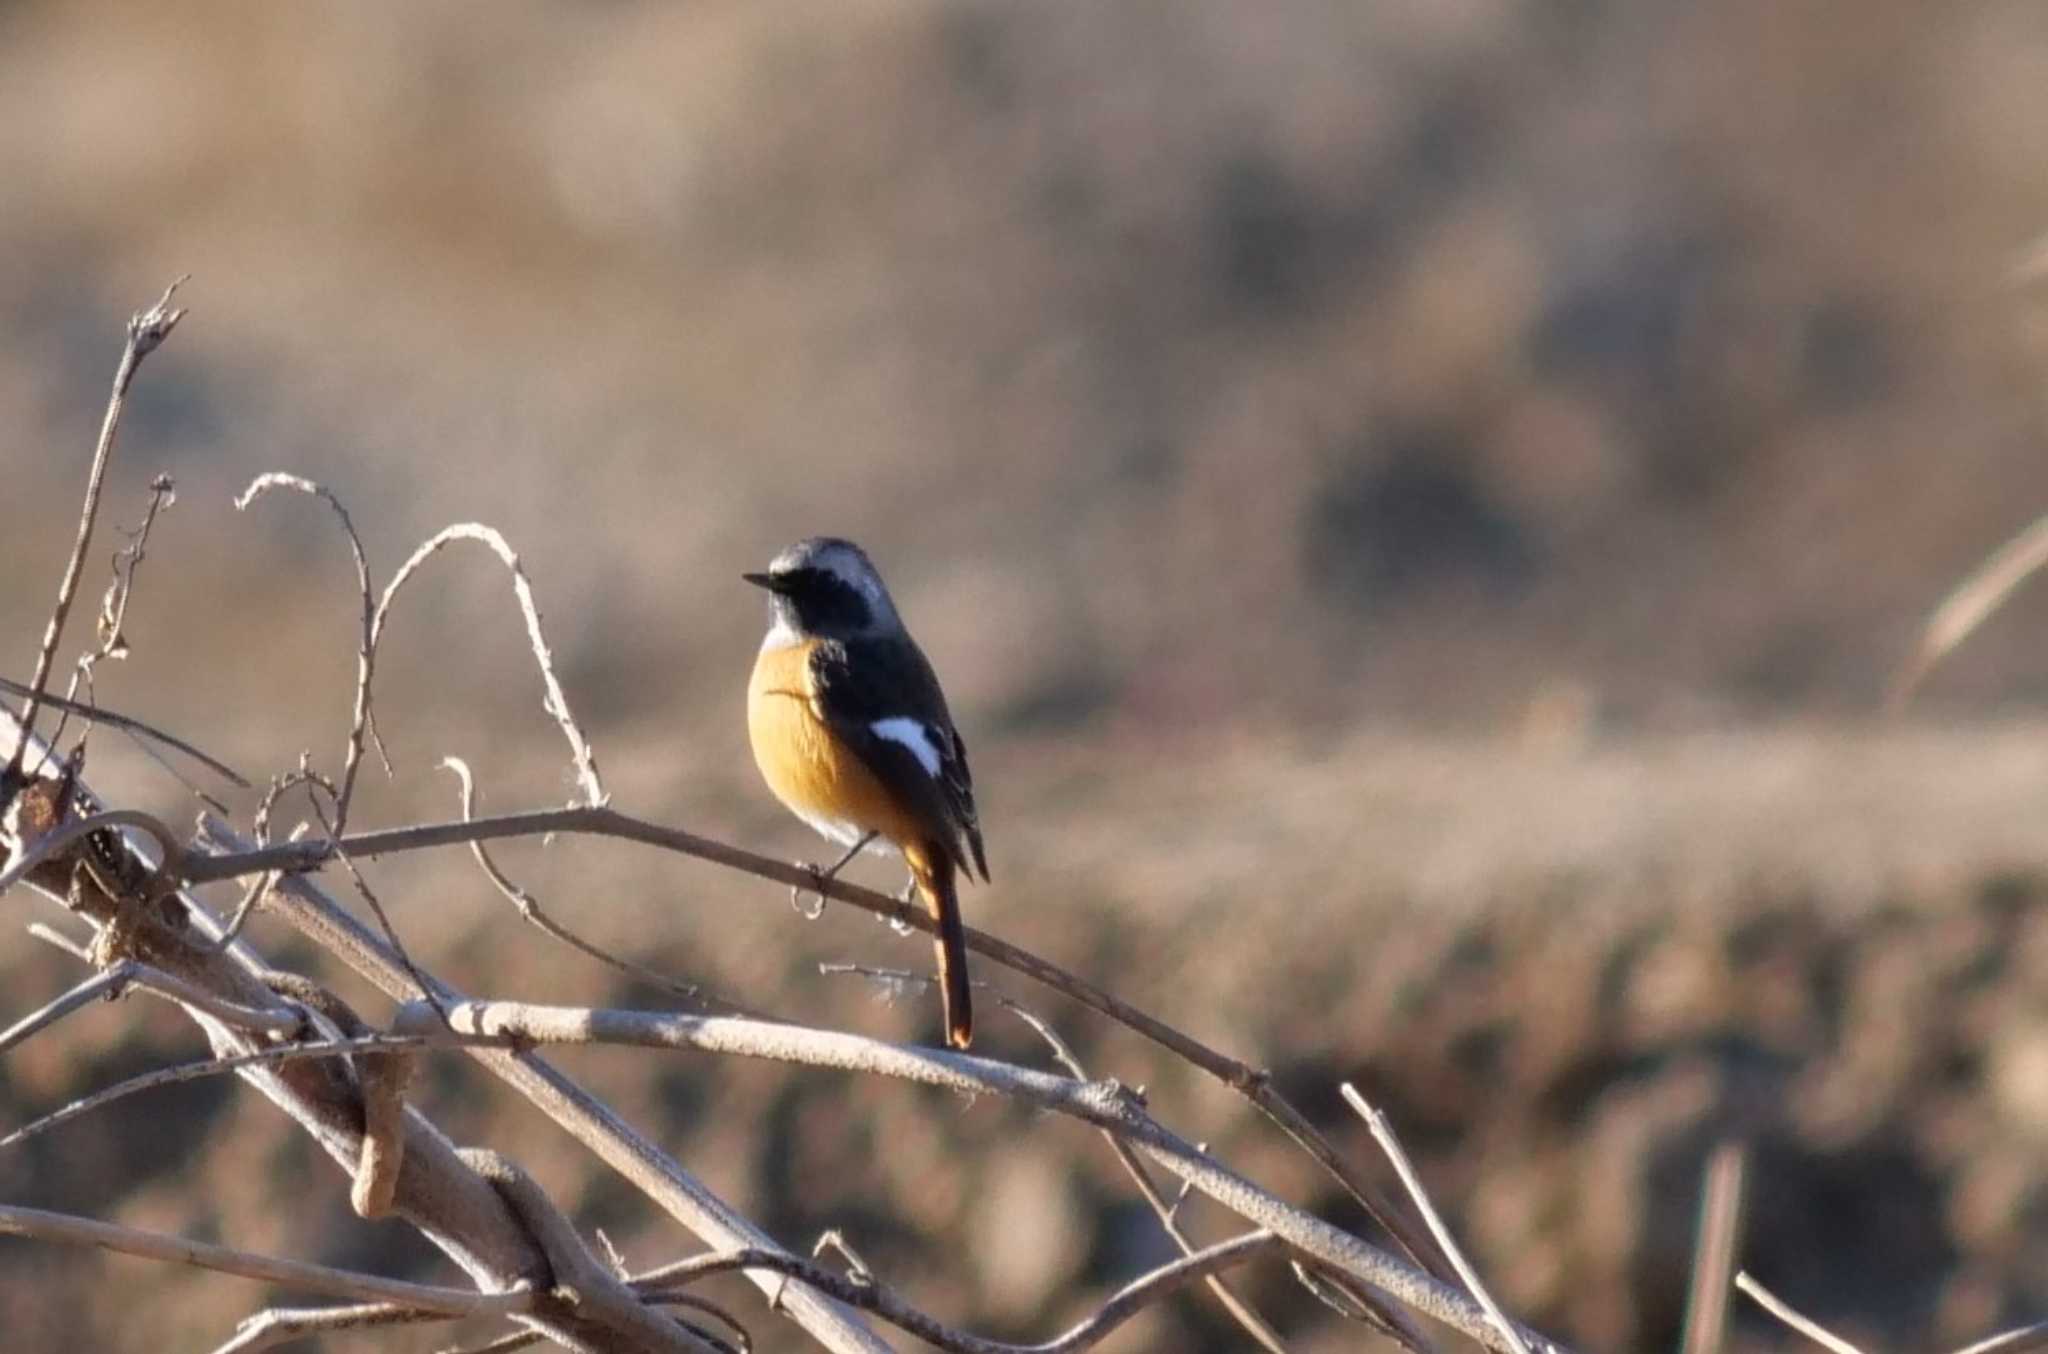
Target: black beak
(768,581)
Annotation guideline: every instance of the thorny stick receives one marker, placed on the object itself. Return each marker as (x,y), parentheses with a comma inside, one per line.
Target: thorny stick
(145,332)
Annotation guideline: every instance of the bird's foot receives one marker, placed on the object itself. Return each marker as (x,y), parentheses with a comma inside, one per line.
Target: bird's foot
(820,877)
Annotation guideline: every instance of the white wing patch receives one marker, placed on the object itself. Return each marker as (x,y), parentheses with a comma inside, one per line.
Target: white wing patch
(914,734)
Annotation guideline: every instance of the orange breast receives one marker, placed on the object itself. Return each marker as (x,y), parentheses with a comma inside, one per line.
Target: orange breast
(808,769)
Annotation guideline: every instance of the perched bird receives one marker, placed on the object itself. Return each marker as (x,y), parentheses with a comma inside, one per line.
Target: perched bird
(851,732)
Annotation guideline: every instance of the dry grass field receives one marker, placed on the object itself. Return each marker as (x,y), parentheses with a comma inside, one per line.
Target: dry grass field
(1416,506)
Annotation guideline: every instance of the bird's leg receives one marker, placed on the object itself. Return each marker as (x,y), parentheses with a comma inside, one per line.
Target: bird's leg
(825,876)
(897,924)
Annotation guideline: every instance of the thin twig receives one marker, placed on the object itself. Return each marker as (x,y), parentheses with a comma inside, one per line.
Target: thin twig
(57,839)
(1102,1104)
(1806,1326)
(113,618)
(108,984)
(253,894)
(1240,1310)
(1968,605)
(322,920)
(711,1309)
(129,724)
(2020,1341)
(571,1266)
(277,1325)
(113,643)
(503,1344)
(1713,1265)
(253,1019)
(40,1225)
(145,331)
(51,936)
(1383,1134)
(366,646)
(529,907)
(556,703)
(316,785)
(1255,1085)
(869,1295)
(262,1057)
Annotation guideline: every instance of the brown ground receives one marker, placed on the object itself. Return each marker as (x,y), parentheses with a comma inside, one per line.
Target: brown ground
(1414,504)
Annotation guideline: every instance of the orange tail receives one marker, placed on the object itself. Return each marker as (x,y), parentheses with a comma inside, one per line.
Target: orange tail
(933,870)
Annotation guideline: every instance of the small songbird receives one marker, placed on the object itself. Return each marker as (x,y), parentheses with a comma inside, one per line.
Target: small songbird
(851,732)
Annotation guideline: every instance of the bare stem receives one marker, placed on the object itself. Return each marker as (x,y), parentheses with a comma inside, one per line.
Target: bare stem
(1102,1104)
(127,724)
(1720,1234)
(40,1225)
(366,645)
(529,907)
(603,821)
(557,703)
(1805,1325)
(108,983)
(861,1290)
(1240,1311)
(278,1325)
(1383,1134)
(145,332)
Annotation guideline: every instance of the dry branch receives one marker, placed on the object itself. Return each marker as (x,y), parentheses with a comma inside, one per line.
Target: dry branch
(585,1118)
(298,1274)
(1106,1105)
(277,1325)
(1785,1312)
(529,908)
(1720,1235)
(479,1208)
(861,1290)
(2020,1341)
(556,703)
(145,331)
(1240,1310)
(1254,1084)
(130,725)
(366,647)
(437,1192)
(1383,1134)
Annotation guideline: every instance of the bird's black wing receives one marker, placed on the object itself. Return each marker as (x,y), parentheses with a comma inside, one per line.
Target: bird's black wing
(883,701)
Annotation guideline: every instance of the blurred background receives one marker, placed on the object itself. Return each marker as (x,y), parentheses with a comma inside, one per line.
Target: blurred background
(1416,504)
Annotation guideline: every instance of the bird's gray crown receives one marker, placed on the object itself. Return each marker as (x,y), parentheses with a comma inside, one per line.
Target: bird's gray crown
(829,586)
